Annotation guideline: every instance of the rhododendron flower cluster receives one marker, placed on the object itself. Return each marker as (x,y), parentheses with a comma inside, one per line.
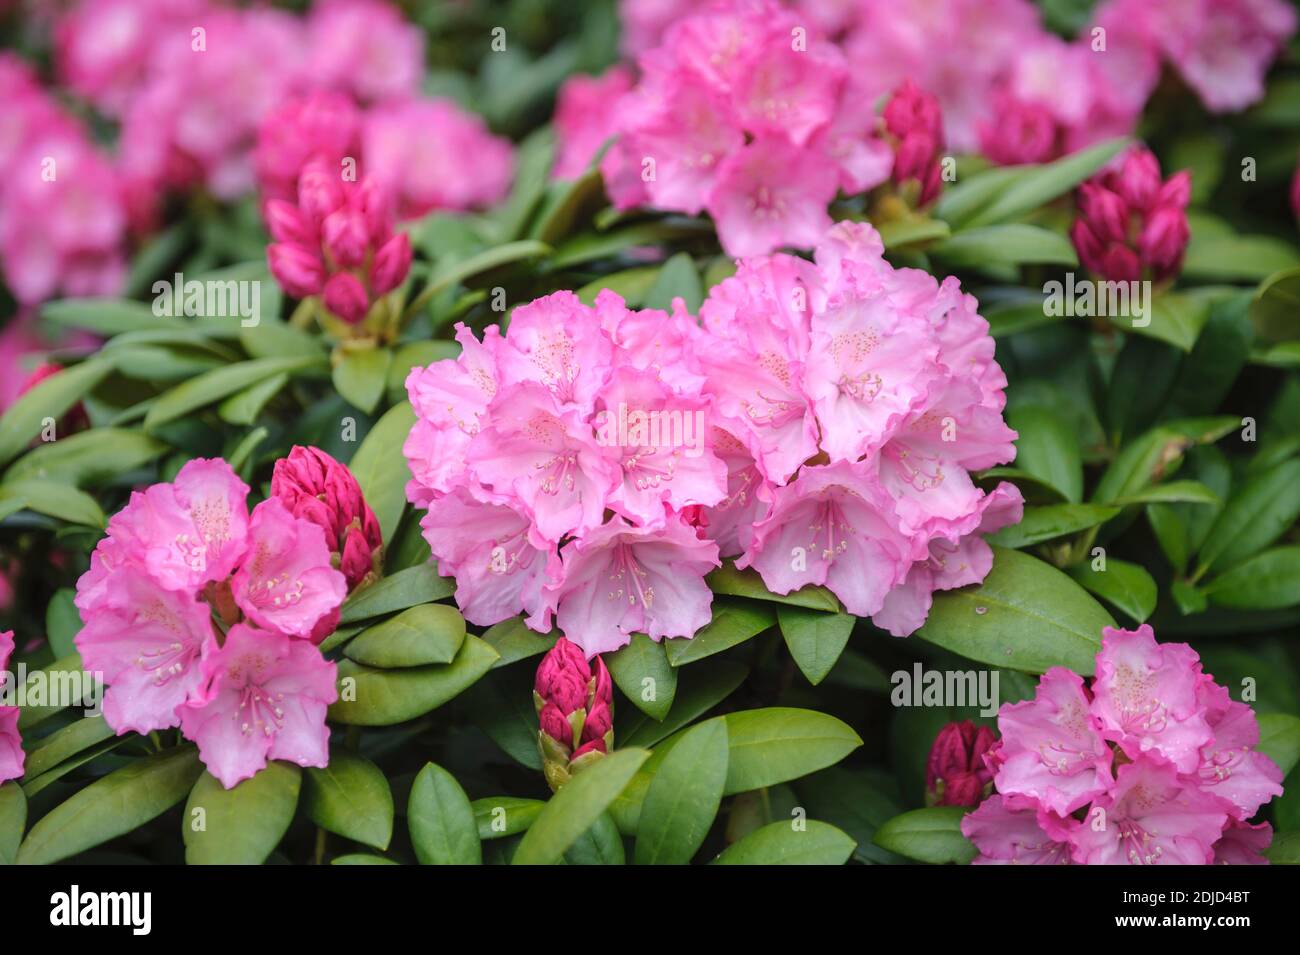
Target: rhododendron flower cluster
(1131,224)
(743,112)
(337,242)
(63,216)
(202,615)
(827,417)
(12,756)
(575,711)
(1151,763)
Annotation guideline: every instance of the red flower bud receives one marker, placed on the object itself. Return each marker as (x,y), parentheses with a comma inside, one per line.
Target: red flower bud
(911,109)
(955,774)
(1021,133)
(320,190)
(1163,240)
(1138,179)
(555,724)
(392,262)
(591,746)
(344,235)
(297,268)
(346,297)
(600,720)
(286,223)
(563,676)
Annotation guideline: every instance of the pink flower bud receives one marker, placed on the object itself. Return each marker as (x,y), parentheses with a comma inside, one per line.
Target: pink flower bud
(1021,132)
(346,297)
(344,235)
(315,487)
(1295,193)
(297,268)
(375,207)
(1119,263)
(1138,179)
(916,152)
(911,109)
(1105,212)
(955,773)
(1177,191)
(1163,240)
(391,264)
(600,720)
(325,626)
(555,724)
(286,223)
(591,746)
(562,677)
(320,190)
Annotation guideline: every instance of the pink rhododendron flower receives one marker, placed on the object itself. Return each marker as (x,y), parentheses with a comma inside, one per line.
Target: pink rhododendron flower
(264,697)
(817,422)
(365,48)
(1132,225)
(430,154)
(12,756)
(585,116)
(322,126)
(337,242)
(1152,763)
(181,555)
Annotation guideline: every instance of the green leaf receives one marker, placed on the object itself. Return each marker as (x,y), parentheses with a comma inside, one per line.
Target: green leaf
(1174,318)
(87,458)
(515,641)
(701,688)
(245,407)
(644,659)
(928,835)
(911,231)
(576,807)
(777,744)
(1275,309)
(683,798)
(458,272)
(243,825)
(64,743)
(779,843)
(1123,585)
(1279,739)
(385,697)
(13,820)
(107,316)
(500,816)
(600,845)
(351,797)
(1033,186)
(63,672)
(1254,517)
(855,800)
(1231,257)
(362,376)
(428,633)
(566,204)
(54,500)
(49,398)
(1048,449)
(221,382)
(729,581)
(632,285)
(501,705)
(406,588)
(272,338)
(597,245)
(361,858)
(732,623)
(443,830)
(1027,615)
(122,801)
(1267,581)
(970,194)
(679,278)
(1172,492)
(1014,243)
(815,639)
(1051,521)
(1285,849)
(380,467)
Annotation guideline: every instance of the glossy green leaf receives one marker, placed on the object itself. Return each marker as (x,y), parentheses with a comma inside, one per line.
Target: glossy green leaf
(87,458)
(243,825)
(781,843)
(500,816)
(577,806)
(217,384)
(1279,739)
(54,500)
(107,316)
(1048,449)
(515,641)
(1033,186)
(1013,243)
(700,689)
(122,801)
(1256,515)
(1051,521)
(815,639)
(420,635)
(679,278)
(642,672)
(443,830)
(362,376)
(683,798)
(732,623)
(380,467)
(13,821)
(406,588)
(64,743)
(928,835)
(1026,615)
(776,744)
(350,797)
(729,581)
(602,844)
(1268,581)
(1275,309)
(369,697)
(1124,585)
(49,398)
(245,407)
